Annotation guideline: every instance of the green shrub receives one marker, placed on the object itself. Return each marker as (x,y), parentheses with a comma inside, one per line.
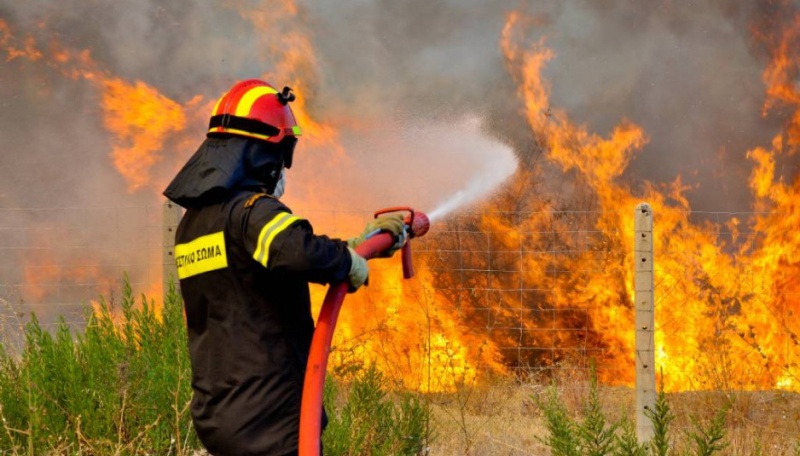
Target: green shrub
(597,437)
(370,422)
(563,436)
(111,388)
(122,385)
(708,439)
(627,444)
(661,417)
(592,435)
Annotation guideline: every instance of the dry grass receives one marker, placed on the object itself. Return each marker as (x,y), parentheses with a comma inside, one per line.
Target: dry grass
(497,419)
(758,423)
(502,419)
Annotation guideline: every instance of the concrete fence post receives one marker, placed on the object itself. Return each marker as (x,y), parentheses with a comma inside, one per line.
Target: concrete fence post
(645,320)
(170,216)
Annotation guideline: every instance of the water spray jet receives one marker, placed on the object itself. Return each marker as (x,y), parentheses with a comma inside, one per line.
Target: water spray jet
(475,189)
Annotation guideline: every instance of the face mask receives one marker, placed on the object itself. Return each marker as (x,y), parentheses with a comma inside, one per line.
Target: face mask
(280,187)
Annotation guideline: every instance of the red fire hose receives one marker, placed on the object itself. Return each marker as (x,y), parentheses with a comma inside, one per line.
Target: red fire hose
(417,224)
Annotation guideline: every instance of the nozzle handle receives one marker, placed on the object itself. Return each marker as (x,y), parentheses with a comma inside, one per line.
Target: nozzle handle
(417,224)
(408,264)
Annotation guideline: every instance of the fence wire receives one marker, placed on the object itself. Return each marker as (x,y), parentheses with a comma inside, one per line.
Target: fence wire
(55,261)
(543,290)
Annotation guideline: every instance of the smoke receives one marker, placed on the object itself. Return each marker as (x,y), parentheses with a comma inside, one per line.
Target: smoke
(434,166)
(688,73)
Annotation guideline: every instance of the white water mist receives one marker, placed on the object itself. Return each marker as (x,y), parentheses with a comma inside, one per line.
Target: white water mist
(444,165)
(497,160)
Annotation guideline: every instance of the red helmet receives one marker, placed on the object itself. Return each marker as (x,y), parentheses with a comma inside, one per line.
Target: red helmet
(254,109)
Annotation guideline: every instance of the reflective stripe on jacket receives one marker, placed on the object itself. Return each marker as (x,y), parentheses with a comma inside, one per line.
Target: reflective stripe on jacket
(244,267)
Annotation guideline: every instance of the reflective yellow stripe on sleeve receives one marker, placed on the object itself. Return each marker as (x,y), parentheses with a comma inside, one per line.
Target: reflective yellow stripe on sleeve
(204,254)
(279,223)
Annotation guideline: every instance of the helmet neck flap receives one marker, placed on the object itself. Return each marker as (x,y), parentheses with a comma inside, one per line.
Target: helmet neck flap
(223,166)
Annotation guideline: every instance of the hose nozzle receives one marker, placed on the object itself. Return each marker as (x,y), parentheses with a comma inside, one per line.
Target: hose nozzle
(418,224)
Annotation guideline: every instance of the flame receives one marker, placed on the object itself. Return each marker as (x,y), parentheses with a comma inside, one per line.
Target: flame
(781,72)
(771,327)
(140,119)
(44,275)
(726,312)
(722,320)
(26,49)
(407,330)
(288,45)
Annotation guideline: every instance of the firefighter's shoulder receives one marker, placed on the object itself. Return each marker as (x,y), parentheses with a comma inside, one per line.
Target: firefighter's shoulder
(264,202)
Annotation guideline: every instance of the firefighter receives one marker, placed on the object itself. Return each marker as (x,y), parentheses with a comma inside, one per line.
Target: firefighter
(244,262)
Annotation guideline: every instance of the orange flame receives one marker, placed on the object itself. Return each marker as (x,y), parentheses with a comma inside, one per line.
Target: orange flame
(14,49)
(295,64)
(781,72)
(141,119)
(44,276)
(408,331)
(721,320)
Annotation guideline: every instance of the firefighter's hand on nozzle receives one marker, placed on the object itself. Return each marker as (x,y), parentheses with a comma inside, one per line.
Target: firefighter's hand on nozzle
(359,271)
(393,223)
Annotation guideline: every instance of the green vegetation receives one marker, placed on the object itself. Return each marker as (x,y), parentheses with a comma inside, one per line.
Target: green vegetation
(590,434)
(661,417)
(369,422)
(122,386)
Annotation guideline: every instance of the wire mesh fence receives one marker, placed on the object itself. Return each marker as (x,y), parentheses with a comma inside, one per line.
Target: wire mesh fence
(544,291)
(56,261)
(517,276)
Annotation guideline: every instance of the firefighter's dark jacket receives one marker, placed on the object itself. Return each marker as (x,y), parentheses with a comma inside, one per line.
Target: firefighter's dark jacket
(244,264)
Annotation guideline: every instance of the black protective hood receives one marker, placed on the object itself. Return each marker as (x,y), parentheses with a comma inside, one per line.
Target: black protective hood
(223,165)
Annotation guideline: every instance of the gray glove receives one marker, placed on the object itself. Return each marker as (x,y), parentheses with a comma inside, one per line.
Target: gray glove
(392,223)
(359,271)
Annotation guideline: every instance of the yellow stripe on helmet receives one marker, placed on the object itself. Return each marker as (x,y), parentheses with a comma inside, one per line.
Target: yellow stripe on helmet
(216,106)
(235,131)
(250,97)
(274,227)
